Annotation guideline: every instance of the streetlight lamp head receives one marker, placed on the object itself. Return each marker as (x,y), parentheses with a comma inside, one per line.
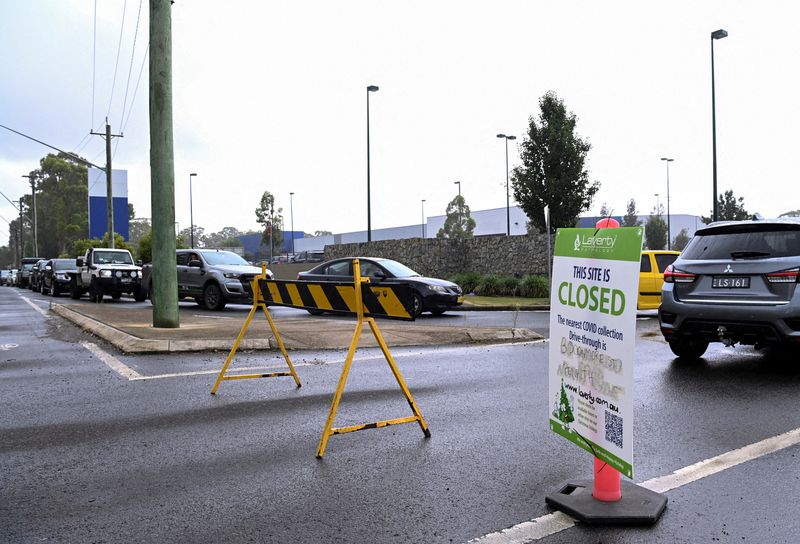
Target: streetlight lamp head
(511,137)
(291,194)
(192,174)
(372,88)
(666,159)
(719,34)
(501,135)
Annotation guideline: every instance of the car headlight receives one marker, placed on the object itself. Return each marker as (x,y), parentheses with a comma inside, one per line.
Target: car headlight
(134,274)
(437,288)
(105,273)
(231,275)
(62,276)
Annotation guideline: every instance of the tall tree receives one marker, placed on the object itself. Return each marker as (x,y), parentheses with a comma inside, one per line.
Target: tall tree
(61,204)
(631,217)
(730,208)
(458,224)
(680,240)
(272,221)
(793,213)
(553,169)
(655,230)
(604,212)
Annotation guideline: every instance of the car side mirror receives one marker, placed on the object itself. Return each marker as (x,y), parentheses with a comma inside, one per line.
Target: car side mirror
(379,275)
(48,267)
(139,262)
(195,264)
(79,262)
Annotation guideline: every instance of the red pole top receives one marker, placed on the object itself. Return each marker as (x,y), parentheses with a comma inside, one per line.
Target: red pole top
(607,223)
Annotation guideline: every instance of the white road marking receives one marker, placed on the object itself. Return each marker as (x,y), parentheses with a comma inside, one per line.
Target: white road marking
(115,364)
(35,307)
(6,347)
(333,361)
(722,462)
(549,524)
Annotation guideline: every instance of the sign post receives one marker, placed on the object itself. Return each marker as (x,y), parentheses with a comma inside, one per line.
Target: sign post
(592,343)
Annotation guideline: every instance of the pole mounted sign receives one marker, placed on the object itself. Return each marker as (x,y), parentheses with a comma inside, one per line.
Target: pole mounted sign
(593,335)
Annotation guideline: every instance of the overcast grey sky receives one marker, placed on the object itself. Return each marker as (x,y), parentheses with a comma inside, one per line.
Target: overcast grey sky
(271,95)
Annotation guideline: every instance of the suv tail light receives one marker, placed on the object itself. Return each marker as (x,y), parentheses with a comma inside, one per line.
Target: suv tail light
(785,276)
(675,275)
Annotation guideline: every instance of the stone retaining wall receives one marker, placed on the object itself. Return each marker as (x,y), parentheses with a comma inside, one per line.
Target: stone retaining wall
(442,258)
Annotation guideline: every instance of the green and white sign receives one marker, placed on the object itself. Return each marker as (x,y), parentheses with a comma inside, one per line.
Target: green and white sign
(592,340)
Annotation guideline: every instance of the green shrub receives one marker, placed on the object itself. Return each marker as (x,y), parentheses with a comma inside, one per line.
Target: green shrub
(489,286)
(509,286)
(534,287)
(468,281)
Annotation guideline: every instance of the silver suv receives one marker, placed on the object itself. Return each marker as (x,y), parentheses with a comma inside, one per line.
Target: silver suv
(736,282)
(211,277)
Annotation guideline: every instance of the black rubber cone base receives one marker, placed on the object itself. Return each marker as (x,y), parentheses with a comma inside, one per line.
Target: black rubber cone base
(638,506)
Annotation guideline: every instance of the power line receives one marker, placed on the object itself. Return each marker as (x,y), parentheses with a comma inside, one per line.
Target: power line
(119,48)
(71,155)
(130,68)
(136,89)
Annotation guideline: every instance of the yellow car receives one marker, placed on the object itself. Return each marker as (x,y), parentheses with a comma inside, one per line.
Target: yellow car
(651,277)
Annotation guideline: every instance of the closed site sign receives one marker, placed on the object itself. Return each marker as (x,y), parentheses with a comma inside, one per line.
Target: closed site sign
(592,340)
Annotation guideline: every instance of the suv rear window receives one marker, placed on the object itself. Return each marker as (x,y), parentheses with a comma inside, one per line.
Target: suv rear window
(745,241)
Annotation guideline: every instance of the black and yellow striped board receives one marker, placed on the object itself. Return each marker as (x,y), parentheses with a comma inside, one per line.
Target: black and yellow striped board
(393,301)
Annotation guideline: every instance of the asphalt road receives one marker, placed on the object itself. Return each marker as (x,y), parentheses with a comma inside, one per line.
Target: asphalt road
(87,455)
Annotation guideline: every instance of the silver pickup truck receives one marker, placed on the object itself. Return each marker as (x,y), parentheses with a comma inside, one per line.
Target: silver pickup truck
(211,277)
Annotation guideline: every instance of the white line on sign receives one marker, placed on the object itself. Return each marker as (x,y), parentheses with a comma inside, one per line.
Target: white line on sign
(115,364)
(549,524)
(34,306)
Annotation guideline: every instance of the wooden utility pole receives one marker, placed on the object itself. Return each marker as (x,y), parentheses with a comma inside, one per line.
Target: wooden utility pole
(109,189)
(164,293)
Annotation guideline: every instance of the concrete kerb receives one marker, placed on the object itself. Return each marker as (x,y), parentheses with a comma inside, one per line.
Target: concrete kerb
(295,336)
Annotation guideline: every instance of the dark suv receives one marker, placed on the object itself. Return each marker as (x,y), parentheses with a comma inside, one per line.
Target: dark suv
(736,282)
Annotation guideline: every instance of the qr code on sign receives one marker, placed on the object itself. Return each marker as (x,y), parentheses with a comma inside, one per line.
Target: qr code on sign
(614,429)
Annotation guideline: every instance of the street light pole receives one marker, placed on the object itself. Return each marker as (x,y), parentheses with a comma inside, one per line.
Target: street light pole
(423,218)
(32,180)
(669,227)
(370,89)
(191,209)
(459,202)
(716,35)
(291,215)
(508,199)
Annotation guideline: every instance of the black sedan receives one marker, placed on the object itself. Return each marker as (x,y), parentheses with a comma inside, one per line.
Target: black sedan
(430,294)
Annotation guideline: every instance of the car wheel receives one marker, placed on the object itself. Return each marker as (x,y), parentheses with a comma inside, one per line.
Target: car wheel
(688,348)
(417,307)
(139,294)
(212,297)
(95,292)
(315,311)
(116,296)
(200,301)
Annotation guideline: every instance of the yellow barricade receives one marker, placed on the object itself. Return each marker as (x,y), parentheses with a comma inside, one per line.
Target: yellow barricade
(258,303)
(394,301)
(357,298)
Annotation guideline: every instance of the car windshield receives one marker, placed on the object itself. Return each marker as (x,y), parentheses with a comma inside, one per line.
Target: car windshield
(27,266)
(64,264)
(224,258)
(397,270)
(112,257)
(745,242)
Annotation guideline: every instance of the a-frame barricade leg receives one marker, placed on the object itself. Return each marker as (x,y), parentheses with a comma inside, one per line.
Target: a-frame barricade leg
(330,430)
(258,302)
